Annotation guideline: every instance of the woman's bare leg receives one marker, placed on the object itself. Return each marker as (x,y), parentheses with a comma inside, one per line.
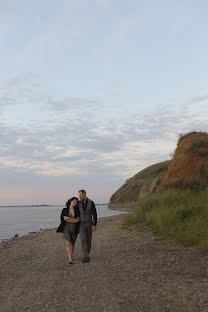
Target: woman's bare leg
(70,249)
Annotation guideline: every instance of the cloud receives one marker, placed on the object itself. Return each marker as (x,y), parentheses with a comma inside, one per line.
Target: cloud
(68,104)
(41,168)
(76,141)
(198,99)
(84,152)
(20,89)
(55,152)
(26,90)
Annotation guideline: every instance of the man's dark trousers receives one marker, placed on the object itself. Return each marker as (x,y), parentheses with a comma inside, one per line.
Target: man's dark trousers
(85,232)
(87,211)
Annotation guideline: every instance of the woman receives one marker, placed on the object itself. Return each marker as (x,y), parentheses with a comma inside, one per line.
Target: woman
(70,220)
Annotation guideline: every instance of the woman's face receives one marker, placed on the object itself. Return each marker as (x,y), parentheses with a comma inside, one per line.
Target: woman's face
(74,202)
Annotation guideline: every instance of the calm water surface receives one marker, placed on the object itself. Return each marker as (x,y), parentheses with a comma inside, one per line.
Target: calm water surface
(22,220)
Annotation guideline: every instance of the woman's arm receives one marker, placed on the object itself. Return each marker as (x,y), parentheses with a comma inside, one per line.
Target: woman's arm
(70,220)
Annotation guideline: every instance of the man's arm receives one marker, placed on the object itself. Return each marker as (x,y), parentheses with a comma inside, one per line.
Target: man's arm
(94,214)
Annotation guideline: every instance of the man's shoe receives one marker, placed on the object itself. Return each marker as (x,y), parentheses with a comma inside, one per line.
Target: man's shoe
(86,260)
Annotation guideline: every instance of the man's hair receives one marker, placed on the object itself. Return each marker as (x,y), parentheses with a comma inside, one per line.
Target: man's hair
(82,191)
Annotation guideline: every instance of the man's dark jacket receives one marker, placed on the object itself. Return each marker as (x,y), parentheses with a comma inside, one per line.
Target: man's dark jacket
(65,212)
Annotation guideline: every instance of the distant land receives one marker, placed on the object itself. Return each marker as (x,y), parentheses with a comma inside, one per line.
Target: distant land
(43,205)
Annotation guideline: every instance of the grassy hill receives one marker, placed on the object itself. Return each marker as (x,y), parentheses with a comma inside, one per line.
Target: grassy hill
(138,186)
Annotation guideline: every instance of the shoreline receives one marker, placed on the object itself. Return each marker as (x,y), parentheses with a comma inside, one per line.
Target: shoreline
(16,235)
(32,234)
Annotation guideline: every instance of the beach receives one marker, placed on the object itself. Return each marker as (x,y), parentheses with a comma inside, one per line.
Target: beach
(128,271)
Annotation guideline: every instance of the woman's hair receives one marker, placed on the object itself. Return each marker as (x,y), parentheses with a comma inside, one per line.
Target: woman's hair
(68,203)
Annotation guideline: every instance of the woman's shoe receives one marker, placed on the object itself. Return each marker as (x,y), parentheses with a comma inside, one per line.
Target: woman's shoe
(70,263)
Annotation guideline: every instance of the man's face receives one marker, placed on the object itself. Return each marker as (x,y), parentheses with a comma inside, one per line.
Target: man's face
(82,196)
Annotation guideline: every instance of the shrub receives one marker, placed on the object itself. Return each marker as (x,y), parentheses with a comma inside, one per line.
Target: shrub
(200,146)
(185,135)
(180,216)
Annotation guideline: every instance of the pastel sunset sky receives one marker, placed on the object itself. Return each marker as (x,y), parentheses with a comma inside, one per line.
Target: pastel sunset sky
(93,91)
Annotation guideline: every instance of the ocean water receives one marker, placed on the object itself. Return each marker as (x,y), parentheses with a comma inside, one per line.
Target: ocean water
(22,220)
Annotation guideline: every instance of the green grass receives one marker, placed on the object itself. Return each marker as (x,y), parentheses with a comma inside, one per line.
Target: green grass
(129,191)
(180,216)
(153,171)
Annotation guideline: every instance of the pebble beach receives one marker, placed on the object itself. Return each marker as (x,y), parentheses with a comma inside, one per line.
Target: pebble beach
(128,271)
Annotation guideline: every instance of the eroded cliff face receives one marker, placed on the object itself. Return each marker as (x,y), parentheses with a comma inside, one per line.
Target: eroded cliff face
(138,187)
(189,166)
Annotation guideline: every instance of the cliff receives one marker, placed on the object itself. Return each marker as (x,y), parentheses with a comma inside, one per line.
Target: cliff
(138,186)
(189,166)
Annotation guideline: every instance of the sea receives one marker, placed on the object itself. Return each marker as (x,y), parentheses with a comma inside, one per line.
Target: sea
(22,220)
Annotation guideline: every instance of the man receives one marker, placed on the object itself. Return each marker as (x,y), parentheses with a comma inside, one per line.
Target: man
(88,221)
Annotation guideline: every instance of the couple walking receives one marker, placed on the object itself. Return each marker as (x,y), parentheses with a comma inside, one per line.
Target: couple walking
(79,216)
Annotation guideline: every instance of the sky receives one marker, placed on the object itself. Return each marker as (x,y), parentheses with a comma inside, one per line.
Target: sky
(93,91)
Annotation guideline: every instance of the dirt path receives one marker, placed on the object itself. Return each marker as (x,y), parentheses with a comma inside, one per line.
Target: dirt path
(129,271)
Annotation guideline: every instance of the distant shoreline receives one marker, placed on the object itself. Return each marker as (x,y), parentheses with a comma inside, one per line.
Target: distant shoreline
(45,205)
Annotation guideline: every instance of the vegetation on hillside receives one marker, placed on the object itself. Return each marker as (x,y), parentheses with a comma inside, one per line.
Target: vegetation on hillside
(183,136)
(154,171)
(200,146)
(180,216)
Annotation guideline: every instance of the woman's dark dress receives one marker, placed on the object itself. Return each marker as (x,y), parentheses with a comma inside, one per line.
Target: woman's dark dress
(70,230)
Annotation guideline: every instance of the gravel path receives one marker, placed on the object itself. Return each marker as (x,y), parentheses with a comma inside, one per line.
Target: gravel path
(128,271)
